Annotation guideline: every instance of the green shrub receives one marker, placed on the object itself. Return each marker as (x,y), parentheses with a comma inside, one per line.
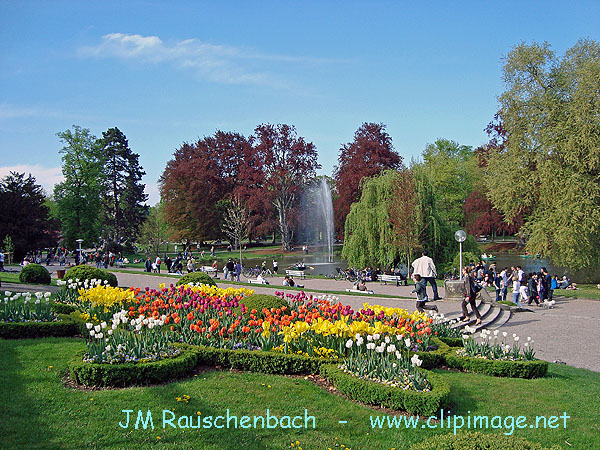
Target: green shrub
(421,403)
(435,358)
(34,273)
(84,272)
(196,277)
(259,361)
(65,326)
(451,342)
(60,308)
(260,301)
(134,374)
(478,441)
(498,368)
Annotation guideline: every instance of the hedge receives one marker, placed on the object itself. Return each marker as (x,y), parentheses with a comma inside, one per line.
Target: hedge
(260,301)
(451,342)
(84,272)
(421,403)
(34,274)
(134,374)
(498,368)
(62,308)
(259,361)
(65,326)
(478,441)
(435,358)
(196,277)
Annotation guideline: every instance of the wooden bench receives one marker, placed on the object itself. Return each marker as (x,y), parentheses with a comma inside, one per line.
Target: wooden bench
(209,269)
(356,291)
(295,273)
(385,279)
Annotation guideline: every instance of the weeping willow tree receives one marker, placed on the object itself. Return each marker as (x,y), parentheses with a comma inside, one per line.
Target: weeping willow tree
(395,217)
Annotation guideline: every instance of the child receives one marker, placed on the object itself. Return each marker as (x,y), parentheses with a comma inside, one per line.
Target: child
(516,287)
(422,295)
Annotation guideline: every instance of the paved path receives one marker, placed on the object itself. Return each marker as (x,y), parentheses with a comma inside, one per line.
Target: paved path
(569,332)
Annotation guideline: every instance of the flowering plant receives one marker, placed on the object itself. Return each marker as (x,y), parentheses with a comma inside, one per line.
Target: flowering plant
(21,307)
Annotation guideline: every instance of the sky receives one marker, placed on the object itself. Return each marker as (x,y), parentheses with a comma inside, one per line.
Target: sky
(171,72)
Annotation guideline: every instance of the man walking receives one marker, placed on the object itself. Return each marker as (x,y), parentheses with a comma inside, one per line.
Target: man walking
(425,267)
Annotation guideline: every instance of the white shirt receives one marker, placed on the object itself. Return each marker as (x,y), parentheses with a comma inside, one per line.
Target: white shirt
(425,267)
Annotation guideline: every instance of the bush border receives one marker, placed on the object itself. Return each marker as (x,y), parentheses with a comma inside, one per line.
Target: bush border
(496,368)
(451,342)
(133,374)
(421,403)
(64,327)
(435,358)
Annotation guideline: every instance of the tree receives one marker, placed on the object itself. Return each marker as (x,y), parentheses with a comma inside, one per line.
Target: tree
(404,214)
(155,230)
(235,224)
(78,196)
(370,153)
(288,162)
(549,169)
(450,168)
(24,218)
(122,191)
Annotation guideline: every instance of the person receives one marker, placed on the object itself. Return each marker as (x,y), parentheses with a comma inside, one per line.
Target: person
(498,286)
(288,281)
(470,293)
(190,265)
(553,285)
(261,279)
(148,265)
(516,290)
(215,266)
(229,268)
(212,251)
(275,266)
(421,293)
(546,281)
(157,261)
(1,261)
(564,283)
(524,289)
(425,267)
(534,282)
(362,286)
(237,268)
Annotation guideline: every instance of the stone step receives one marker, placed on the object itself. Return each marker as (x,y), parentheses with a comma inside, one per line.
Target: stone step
(502,319)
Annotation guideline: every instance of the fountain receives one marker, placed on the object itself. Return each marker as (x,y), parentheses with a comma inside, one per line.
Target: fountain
(317,217)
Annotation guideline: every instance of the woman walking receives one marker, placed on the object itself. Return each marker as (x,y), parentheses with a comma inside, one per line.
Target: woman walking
(470,294)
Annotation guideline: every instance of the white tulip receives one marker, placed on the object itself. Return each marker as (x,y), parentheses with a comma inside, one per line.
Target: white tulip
(370,346)
(97,328)
(416,362)
(349,343)
(407,342)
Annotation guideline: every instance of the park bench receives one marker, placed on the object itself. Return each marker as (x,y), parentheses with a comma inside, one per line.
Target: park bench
(256,281)
(385,279)
(210,270)
(295,273)
(356,291)
(120,264)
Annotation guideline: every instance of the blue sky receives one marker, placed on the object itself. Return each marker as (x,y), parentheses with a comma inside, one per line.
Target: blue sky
(170,72)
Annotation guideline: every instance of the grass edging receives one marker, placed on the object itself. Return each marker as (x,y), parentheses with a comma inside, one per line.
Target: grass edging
(64,327)
(421,403)
(498,368)
(134,374)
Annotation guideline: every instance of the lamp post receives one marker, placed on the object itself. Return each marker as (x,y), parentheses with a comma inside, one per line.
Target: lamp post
(460,237)
(79,241)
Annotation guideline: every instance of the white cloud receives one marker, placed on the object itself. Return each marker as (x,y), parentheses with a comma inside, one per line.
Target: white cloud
(218,63)
(45,176)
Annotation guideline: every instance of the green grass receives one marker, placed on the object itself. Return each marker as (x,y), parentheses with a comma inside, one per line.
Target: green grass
(38,411)
(589,291)
(13,277)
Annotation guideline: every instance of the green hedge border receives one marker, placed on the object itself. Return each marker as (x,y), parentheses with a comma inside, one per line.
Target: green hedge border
(134,374)
(259,361)
(477,440)
(421,403)
(507,369)
(435,358)
(451,342)
(61,308)
(64,327)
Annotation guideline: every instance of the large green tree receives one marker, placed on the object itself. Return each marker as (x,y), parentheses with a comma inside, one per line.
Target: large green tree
(154,232)
(450,168)
(24,217)
(77,198)
(550,164)
(123,197)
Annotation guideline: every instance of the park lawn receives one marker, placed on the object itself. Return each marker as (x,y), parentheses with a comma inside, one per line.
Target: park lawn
(38,411)
(13,277)
(588,291)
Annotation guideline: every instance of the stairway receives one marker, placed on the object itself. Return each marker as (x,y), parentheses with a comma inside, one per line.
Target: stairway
(492,314)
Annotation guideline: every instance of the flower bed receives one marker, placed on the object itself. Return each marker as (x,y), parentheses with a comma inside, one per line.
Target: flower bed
(134,374)
(421,403)
(476,440)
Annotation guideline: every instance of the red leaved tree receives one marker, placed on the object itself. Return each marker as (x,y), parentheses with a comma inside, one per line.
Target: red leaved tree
(288,162)
(370,153)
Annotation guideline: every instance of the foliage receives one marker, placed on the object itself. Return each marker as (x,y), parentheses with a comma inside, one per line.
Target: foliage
(20,307)
(196,277)
(122,191)
(478,441)
(134,374)
(236,223)
(511,369)
(84,272)
(155,230)
(550,164)
(34,274)
(24,217)
(78,196)
(33,330)
(370,153)
(9,249)
(403,215)
(450,168)
(422,403)
(262,301)
(288,162)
